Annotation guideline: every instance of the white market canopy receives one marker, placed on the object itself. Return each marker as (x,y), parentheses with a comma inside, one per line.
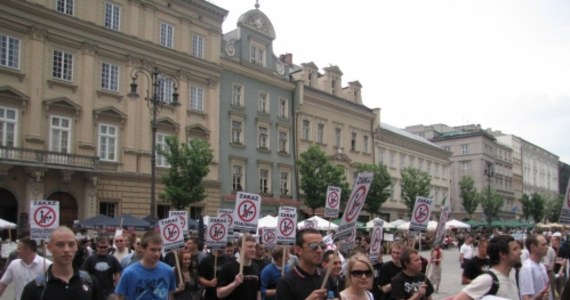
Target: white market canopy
(432,225)
(397,222)
(268,221)
(456,224)
(322,224)
(387,225)
(7,225)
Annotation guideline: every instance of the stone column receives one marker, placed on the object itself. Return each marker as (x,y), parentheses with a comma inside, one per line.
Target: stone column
(90,205)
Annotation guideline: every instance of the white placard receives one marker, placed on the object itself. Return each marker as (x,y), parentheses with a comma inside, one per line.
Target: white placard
(440,231)
(565,213)
(376,239)
(286,225)
(421,214)
(355,204)
(269,237)
(184,216)
(217,235)
(332,203)
(389,237)
(311,223)
(172,233)
(246,212)
(227,213)
(348,242)
(44,219)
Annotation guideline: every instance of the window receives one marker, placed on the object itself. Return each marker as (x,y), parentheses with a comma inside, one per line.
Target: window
(465,149)
(337,133)
(392,159)
(412,162)
(107,142)
(236,132)
(262,138)
(197,98)
(108,209)
(62,65)
(166,35)
(165,90)
(237,95)
(198,45)
(196,212)
(60,134)
(112,16)
(464,166)
(257,54)
(283,108)
(162,211)
(447,148)
(264,181)
(381,155)
(9,52)
(262,102)
(161,145)
(110,77)
(321,133)
(284,184)
(283,142)
(237,175)
(8,125)
(353,141)
(402,161)
(365,144)
(306,129)
(65,6)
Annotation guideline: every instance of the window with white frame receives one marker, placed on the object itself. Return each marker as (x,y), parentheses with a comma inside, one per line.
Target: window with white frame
(197,98)
(237,95)
(321,133)
(353,140)
(166,35)
(264,181)
(283,141)
(237,178)
(62,65)
(9,52)
(337,135)
(392,159)
(108,142)
(263,137)
(198,45)
(465,166)
(402,161)
(162,146)
(263,102)
(464,149)
(365,144)
(257,54)
(108,209)
(60,134)
(284,183)
(112,16)
(196,212)
(283,107)
(65,6)
(381,155)
(165,90)
(306,129)
(8,126)
(110,77)
(237,131)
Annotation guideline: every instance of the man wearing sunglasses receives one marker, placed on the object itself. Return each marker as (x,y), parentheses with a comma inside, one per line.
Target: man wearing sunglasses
(105,267)
(305,278)
(411,283)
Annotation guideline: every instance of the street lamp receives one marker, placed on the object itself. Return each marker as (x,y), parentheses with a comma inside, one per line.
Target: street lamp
(490,173)
(155,104)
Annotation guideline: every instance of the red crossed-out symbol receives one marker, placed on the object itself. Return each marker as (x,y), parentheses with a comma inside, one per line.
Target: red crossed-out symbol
(171,232)
(182,220)
(421,213)
(376,239)
(355,203)
(309,224)
(286,226)
(227,216)
(247,211)
(351,237)
(268,237)
(333,200)
(44,216)
(217,232)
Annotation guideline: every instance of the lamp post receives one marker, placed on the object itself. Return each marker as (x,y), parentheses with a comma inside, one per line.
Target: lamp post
(155,104)
(489,172)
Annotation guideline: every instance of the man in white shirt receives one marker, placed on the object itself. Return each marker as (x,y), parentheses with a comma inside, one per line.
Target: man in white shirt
(533,278)
(121,250)
(26,268)
(504,253)
(467,251)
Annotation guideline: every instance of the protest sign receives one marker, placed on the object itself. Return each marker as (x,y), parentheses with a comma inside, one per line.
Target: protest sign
(44,219)
(421,214)
(355,204)
(332,204)
(286,225)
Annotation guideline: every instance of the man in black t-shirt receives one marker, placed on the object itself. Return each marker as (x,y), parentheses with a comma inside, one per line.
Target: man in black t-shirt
(105,267)
(246,286)
(388,270)
(411,283)
(476,265)
(206,272)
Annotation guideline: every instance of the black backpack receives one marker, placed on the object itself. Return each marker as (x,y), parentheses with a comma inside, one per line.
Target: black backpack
(495,283)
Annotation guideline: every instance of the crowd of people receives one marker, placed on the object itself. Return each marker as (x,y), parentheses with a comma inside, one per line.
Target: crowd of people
(135,267)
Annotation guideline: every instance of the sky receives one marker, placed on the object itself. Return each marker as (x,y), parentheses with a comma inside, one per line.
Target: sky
(502,64)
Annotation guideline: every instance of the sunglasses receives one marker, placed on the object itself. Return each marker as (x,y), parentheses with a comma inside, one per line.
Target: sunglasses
(361,273)
(102,247)
(314,246)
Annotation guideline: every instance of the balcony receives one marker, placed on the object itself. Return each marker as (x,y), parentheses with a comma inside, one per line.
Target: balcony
(48,159)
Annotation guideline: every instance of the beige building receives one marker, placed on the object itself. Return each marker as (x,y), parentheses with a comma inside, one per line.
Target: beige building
(398,149)
(69,132)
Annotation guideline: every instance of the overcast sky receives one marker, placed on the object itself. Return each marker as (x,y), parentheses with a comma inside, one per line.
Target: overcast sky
(501,64)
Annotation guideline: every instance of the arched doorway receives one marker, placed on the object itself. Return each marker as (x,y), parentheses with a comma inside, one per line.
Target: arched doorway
(8,211)
(67,208)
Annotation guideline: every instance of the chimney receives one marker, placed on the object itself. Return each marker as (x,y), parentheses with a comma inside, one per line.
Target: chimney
(286,58)
(377,118)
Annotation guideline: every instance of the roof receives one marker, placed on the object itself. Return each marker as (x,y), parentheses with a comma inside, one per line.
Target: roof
(406,134)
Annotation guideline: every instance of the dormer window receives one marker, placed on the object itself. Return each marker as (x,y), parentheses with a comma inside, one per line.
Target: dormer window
(310,79)
(333,84)
(257,54)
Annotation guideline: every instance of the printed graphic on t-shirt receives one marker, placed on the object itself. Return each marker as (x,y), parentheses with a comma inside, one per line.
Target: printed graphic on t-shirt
(102,266)
(151,289)
(412,287)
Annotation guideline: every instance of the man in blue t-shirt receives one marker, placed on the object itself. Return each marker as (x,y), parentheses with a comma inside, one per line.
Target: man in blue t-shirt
(149,278)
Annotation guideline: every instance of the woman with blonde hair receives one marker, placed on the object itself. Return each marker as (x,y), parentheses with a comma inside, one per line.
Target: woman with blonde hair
(359,279)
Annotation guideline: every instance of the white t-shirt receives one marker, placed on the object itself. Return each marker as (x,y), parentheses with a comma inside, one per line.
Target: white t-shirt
(467,251)
(549,258)
(481,285)
(532,278)
(20,273)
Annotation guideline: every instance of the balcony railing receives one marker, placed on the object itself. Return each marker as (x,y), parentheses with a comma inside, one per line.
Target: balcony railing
(35,157)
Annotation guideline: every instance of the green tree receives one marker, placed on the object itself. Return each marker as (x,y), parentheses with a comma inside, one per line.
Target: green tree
(538,203)
(491,203)
(553,207)
(379,188)
(317,173)
(414,183)
(468,193)
(527,206)
(189,164)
